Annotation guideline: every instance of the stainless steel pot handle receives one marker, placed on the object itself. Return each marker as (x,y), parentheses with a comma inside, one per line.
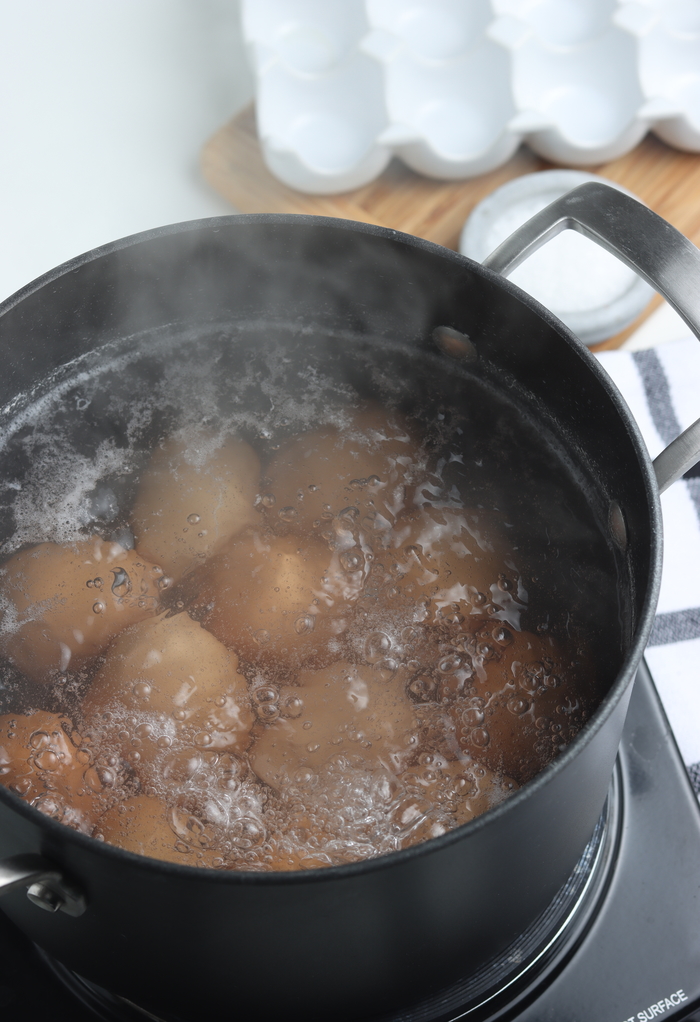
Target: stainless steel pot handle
(645,242)
(46,885)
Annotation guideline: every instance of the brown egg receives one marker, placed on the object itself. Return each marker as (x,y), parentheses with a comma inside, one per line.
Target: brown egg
(142,825)
(165,679)
(370,464)
(276,598)
(528,702)
(42,759)
(65,603)
(442,558)
(345,710)
(192,498)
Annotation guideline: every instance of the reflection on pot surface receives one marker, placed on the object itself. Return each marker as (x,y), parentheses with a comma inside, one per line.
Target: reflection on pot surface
(274,601)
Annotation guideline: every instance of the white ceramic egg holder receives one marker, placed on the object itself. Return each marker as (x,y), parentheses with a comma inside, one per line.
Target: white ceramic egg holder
(453,87)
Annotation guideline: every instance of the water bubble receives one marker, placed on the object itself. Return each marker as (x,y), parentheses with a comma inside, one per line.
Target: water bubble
(164,742)
(121,586)
(505,584)
(98,778)
(502,636)
(450,664)
(262,636)
(408,811)
(47,760)
(39,740)
(352,560)
(452,615)
(377,645)
(569,706)
(304,624)
(313,747)
(232,771)
(165,582)
(423,689)
(48,805)
(530,677)
(478,599)
(517,706)
(373,481)
(265,694)
(480,737)
(386,669)
(288,514)
(247,833)
(267,711)
(182,766)
(193,519)
(202,739)
(351,513)
(292,707)
(486,651)
(473,716)
(190,829)
(358,484)
(21,787)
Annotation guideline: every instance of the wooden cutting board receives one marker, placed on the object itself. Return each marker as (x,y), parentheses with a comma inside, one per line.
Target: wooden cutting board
(667,180)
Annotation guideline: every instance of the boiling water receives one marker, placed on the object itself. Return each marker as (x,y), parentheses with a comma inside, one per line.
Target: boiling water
(433,653)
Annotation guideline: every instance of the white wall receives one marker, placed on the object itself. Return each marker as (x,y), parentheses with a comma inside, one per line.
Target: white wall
(104,106)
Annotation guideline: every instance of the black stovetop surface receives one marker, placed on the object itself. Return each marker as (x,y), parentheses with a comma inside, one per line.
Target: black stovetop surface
(638,958)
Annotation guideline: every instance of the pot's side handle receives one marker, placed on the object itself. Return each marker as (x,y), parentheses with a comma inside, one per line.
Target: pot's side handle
(646,243)
(46,885)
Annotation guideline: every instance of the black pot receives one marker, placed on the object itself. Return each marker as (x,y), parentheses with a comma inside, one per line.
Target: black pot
(347,942)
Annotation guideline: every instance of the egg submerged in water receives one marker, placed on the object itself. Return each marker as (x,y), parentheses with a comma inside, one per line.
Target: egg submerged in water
(62,604)
(342,709)
(372,463)
(192,498)
(282,599)
(167,681)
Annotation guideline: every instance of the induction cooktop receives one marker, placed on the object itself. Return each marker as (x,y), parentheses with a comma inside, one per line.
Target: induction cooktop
(620,943)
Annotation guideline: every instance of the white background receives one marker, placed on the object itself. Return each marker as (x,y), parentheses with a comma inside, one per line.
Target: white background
(104,107)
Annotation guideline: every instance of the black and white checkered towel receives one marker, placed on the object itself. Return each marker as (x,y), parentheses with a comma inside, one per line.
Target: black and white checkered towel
(662,388)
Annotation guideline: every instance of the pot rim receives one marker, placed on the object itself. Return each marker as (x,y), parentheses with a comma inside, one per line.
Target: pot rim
(64,834)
